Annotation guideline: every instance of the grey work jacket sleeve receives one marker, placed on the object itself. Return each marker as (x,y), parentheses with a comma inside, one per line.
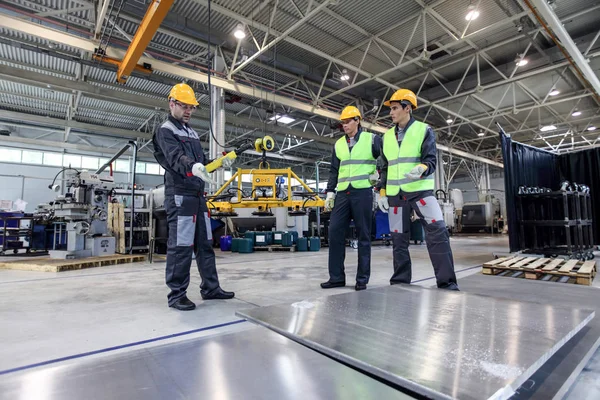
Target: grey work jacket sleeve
(333,173)
(429,152)
(173,152)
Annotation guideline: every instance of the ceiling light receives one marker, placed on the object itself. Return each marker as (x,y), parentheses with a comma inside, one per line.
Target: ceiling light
(449,120)
(521,62)
(345,75)
(548,128)
(592,128)
(481,133)
(472,13)
(554,93)
(576,113)
(284,119)
(239,32)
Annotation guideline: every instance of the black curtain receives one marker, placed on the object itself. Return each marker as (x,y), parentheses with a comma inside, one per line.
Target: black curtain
(525,166)
(583,167)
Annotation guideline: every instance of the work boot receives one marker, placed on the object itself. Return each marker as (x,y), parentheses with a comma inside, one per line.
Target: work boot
(183,304)
(330,285)
(218,294)
(451,286)
(360,286)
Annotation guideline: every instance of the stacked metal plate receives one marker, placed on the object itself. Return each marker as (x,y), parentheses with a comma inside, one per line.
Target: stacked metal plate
(435,343)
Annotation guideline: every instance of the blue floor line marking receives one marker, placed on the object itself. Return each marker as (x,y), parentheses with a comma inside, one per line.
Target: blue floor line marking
(460,270)
(123,346)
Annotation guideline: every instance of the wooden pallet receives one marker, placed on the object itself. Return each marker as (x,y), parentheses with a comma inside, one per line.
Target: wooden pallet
(116,226)
(275,247)
(546,269)
(54,265)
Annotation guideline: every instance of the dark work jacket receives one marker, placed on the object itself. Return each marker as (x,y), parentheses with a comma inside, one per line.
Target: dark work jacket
(177,148)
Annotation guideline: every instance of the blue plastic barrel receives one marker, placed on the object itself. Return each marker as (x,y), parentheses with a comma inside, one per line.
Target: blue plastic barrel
(277,237)
(314,244)
(226,243)
(246,246)
(302,244)
(287,240)
(250,235)
(235,245)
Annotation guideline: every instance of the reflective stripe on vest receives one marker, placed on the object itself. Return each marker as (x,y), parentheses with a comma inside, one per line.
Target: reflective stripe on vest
(357,164)
(403,158)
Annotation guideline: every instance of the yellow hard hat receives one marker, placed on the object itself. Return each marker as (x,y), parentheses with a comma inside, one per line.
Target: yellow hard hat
(400,95)
(183,93)
(350,112)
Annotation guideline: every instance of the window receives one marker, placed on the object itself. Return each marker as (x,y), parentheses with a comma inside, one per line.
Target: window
(72,161)
(10,155)
(122,165)
(161,170)
(89,163)
(102,161)
(152,169)
(32,157)
(140,168)
(53,159)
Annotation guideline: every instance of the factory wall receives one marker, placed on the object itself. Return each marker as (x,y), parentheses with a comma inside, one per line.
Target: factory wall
(30,183)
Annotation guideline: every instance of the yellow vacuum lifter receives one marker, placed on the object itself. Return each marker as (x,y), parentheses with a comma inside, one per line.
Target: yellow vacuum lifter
(268,189)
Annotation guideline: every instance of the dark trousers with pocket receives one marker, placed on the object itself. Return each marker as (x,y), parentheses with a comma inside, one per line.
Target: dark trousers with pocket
(436,236)
(189,231)
(356,204)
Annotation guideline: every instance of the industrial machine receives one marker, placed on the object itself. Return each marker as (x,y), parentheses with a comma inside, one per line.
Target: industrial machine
(448,210)
(482,215)
(78,219)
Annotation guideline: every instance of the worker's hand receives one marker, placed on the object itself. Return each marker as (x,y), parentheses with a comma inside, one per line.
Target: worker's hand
(416,172)
(227,162)
(329,201)
(382,202)
(374,178)
(199,170)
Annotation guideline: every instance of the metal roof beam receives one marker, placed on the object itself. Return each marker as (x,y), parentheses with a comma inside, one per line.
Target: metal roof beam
(88,45)
(281,36)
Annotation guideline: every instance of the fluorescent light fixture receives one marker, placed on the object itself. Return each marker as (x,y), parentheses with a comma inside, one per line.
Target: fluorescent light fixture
(284,119)
(554,93)
(239,32)
(344,75)
(522,62)
(548,128)
(592,128)
(576,113)
(472,13)
(481,133)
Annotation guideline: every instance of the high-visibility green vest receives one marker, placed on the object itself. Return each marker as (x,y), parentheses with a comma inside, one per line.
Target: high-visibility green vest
(404,157)
(355,165)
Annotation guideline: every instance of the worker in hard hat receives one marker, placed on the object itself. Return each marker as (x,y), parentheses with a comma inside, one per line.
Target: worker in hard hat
(178,150)
(409,160)
(353,164)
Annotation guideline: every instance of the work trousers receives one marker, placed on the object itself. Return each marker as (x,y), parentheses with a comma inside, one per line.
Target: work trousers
(436,236)
(356,204)
(189,231)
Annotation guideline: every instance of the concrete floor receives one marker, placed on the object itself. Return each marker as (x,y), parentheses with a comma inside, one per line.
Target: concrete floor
(50,316)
